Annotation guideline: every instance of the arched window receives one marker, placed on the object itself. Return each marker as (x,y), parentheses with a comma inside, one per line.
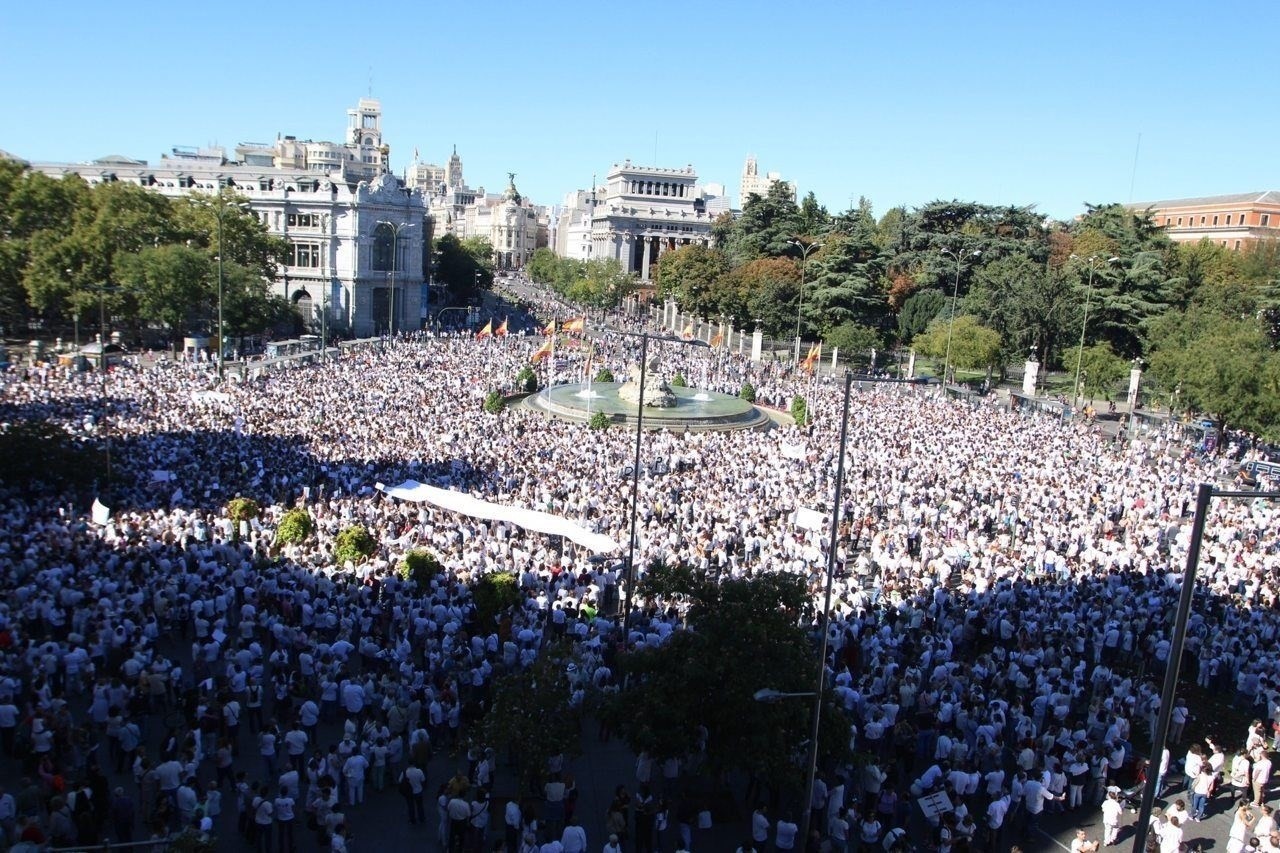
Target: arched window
(383,259)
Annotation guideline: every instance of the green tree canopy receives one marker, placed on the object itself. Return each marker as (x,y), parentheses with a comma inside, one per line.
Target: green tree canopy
(745,634)
(973,346)
(692,274)
(1224,366)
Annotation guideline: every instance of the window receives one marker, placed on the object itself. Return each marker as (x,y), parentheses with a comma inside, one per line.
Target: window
(1228,218)
(306,255)
(304,220)
(1201,220)
(1237,245)
(1266,220)
(1215,222)
(1179,221)
(383,249)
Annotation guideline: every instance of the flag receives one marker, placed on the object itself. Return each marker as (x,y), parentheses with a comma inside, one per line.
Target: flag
(415,155)
(815,353)
(550,328)
(541,353)
(576,325)
(486,332)
(591,354)
(501,331)
(688,332)
(717,339)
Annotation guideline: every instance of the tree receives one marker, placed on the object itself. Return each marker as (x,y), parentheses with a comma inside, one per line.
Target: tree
(766,224)
(248,306)
(459,269)
(172,284)
(743,634)
(542,266)
(1100,369)
(918,312)
(1224,366)
(532,715)
(1028,304)
(852,339)
(848,283)
(764,289)
(973,346)
(692,274)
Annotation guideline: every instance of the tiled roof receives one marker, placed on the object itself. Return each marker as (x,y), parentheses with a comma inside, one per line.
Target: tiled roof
(1267,197)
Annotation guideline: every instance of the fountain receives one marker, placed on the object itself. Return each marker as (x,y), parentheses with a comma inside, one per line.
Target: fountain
(665,407)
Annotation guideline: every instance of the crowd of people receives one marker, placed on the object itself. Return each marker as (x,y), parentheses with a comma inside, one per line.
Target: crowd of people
(1003,597)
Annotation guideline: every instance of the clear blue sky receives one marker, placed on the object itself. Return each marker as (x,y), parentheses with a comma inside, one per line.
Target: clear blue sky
(905,102)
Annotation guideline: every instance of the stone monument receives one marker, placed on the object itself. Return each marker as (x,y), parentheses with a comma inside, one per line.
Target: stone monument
(657,393)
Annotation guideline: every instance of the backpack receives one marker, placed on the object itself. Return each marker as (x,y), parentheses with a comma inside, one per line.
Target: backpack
(406,787)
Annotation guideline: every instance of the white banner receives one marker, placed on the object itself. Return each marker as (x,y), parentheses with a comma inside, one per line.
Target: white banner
(464,504)
(808,519)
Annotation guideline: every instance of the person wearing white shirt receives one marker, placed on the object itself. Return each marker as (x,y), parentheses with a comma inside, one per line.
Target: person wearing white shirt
(574,838)
(785,832)
(760,826)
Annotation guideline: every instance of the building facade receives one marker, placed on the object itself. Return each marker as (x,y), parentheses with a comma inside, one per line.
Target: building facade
(752,182)
(1232,221)
(646,212)
(358,254)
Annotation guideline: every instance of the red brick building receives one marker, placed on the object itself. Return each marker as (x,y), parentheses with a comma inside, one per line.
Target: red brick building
(1229,220)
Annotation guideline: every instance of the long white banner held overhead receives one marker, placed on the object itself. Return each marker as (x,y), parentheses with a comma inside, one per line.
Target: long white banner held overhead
(464,504)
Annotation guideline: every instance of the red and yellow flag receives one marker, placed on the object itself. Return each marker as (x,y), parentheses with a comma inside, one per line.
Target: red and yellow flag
(576,325)
(550,328)
(815,353)
(688,332)
(501,331)
(486,332)
(541,353)
(717,339)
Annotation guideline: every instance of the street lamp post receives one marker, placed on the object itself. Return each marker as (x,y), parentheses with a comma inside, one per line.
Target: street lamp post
(220,204)
(644,337)
(805,249)
(1084,324)
(955,293)
(1168,692)
(396,228)
(836,503)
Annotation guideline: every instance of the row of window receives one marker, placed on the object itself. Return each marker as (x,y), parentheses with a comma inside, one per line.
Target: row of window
(1205,220)
(304,220)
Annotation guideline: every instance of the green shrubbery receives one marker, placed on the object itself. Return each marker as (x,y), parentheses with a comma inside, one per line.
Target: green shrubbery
(294,527)
(605,375)
(599,420)
(527,379)
(242,509)
(419,566)
(353,545)
(494,402)
(799,410)
(678,381)
(493,594)
(748,392)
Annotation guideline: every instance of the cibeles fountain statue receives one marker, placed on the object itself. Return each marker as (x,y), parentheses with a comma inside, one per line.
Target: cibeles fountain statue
(657,393)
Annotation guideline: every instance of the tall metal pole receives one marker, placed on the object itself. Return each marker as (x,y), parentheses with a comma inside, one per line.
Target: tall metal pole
(1167,693)
(635,490)
(221,210)
(1088,296)
(805,249)
(836,503)
(1178,635)
(102,371)
(951,321)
